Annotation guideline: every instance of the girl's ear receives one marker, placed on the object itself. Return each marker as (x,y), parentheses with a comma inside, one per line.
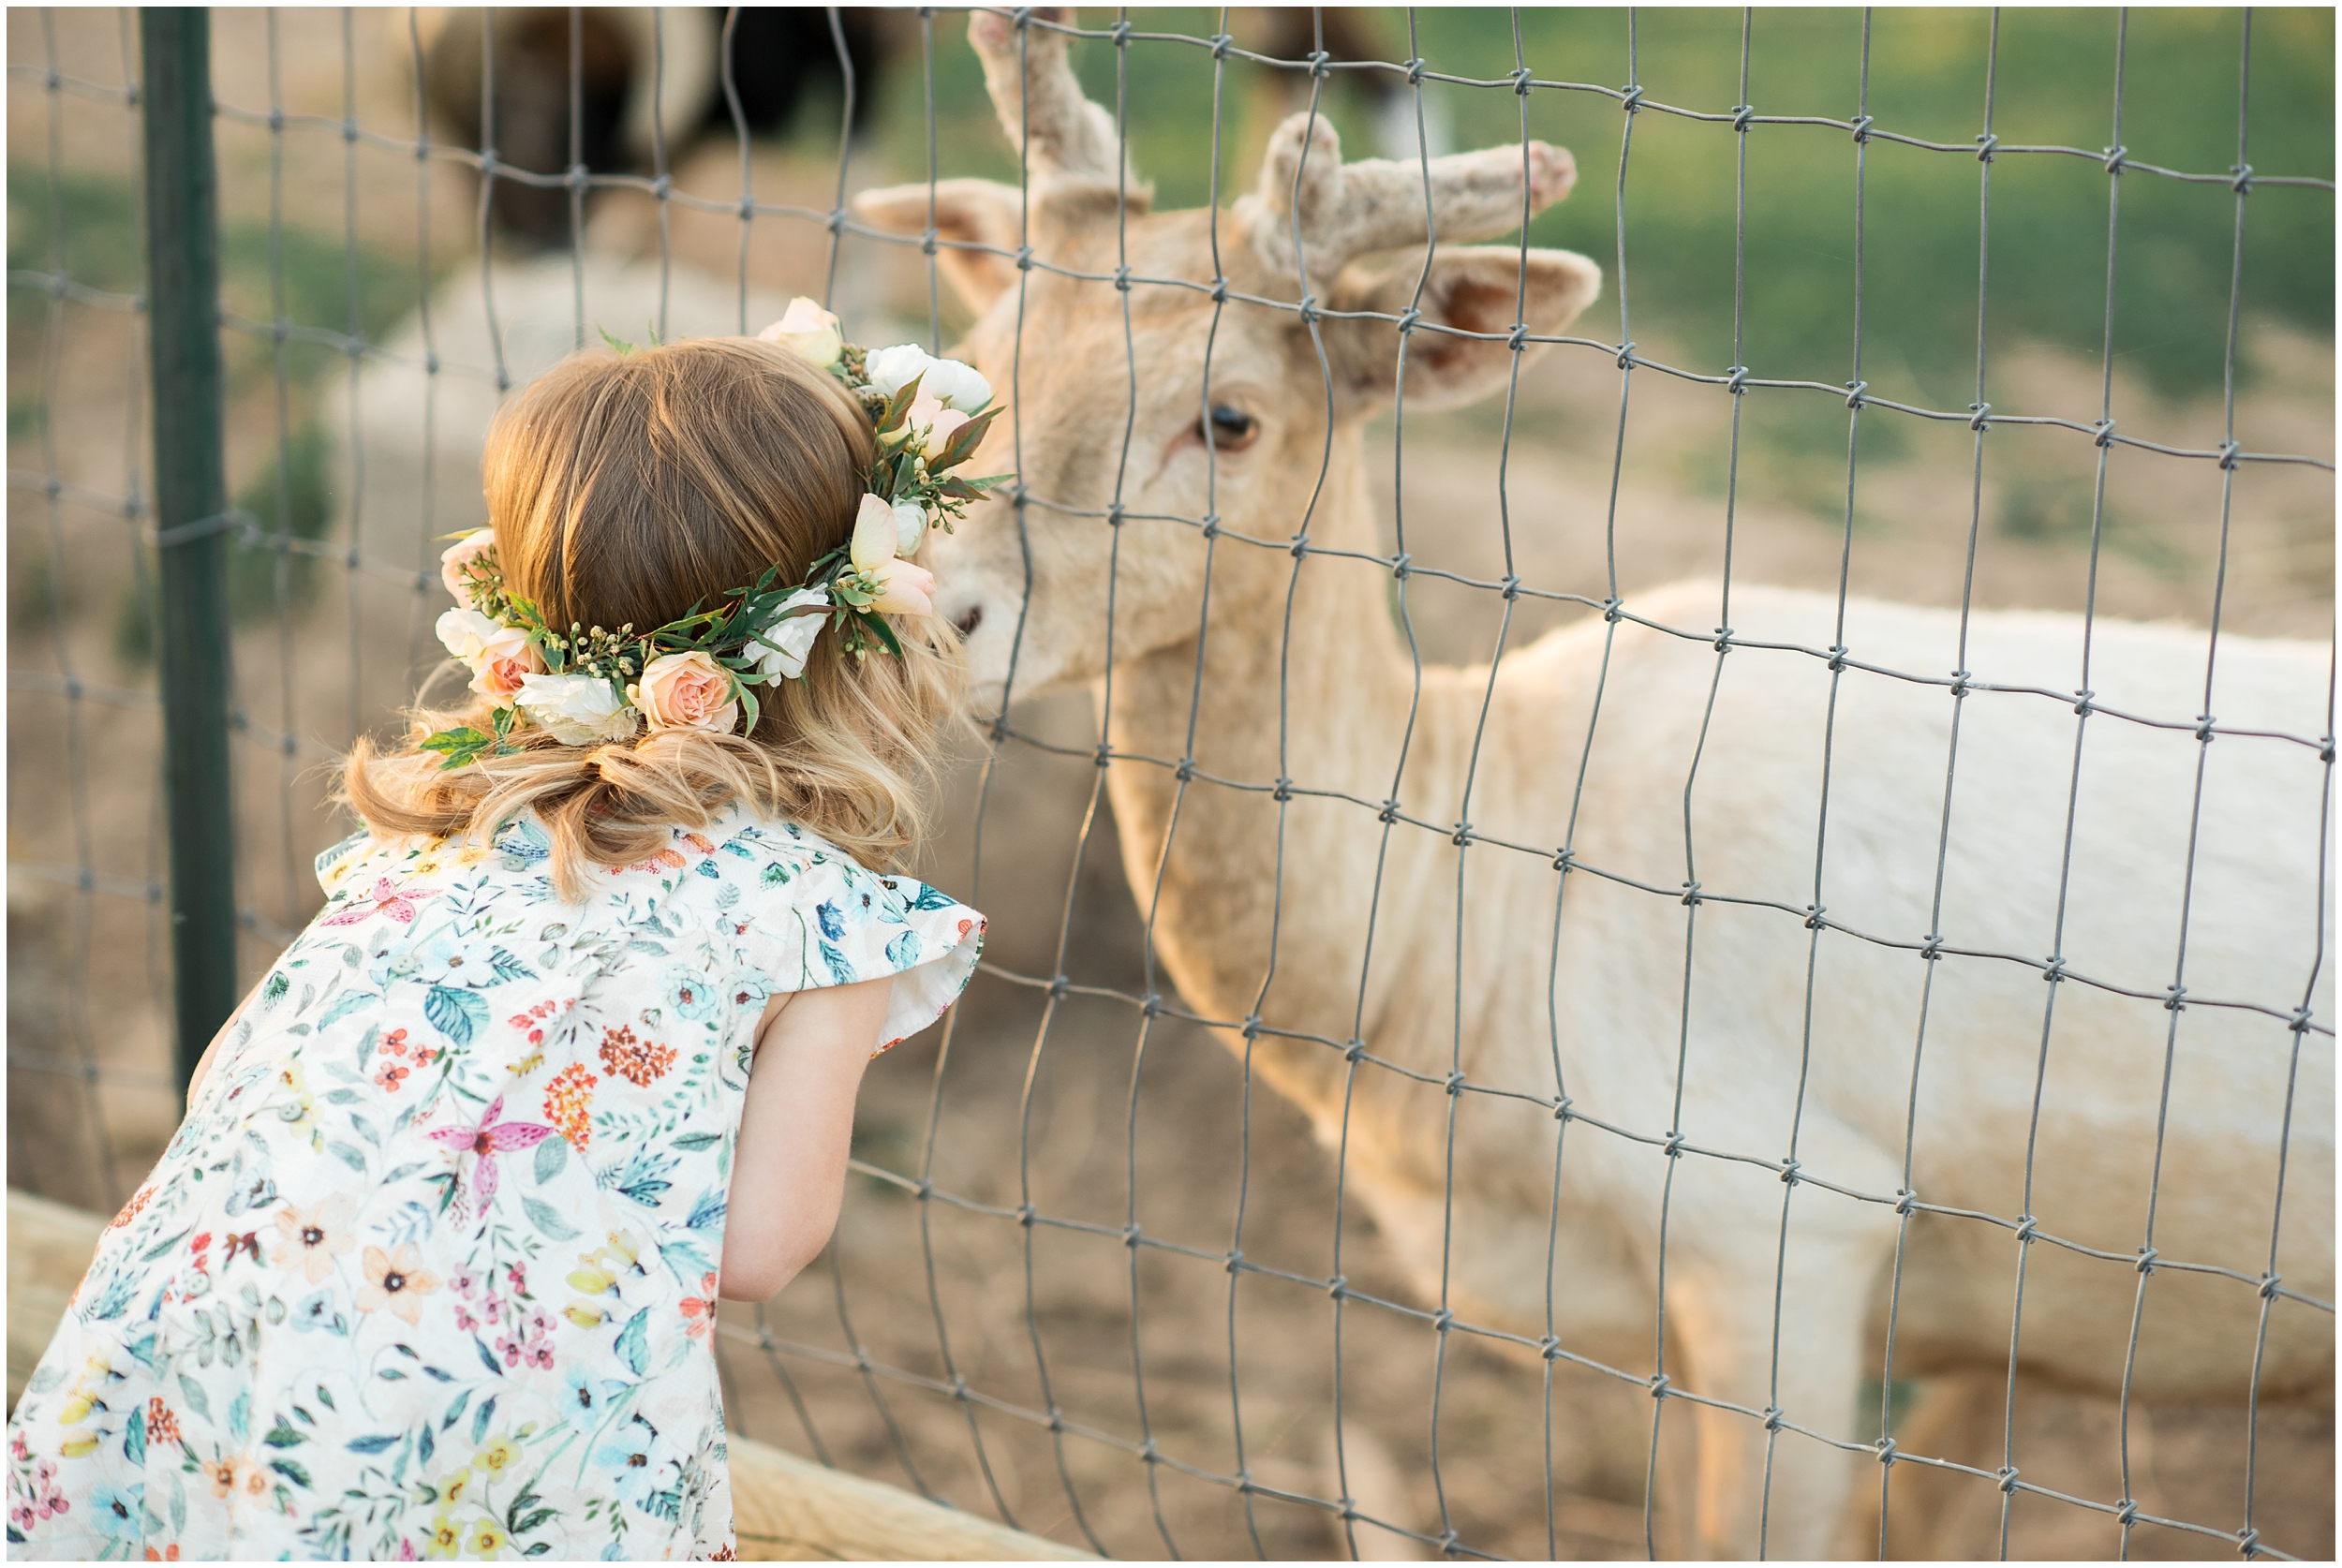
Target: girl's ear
(1485,289)
(974,219)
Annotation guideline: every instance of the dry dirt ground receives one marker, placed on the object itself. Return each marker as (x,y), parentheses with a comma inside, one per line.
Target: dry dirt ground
(1075,1104)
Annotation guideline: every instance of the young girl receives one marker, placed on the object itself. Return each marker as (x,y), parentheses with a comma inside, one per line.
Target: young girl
(431,1268)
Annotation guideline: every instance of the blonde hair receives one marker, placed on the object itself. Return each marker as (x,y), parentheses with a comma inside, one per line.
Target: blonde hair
(628,489)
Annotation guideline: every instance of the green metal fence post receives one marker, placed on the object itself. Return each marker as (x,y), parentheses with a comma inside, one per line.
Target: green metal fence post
(191,496)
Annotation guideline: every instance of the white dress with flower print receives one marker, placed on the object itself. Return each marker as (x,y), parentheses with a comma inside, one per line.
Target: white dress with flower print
(430,1270)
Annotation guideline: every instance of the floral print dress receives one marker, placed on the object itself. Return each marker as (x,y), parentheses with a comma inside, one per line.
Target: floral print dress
(429,1271)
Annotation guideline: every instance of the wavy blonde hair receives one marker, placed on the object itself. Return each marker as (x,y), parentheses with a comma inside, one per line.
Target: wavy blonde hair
(628,489)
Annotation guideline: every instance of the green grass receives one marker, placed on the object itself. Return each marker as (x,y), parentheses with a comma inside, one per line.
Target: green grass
(324,282)
(2049,217)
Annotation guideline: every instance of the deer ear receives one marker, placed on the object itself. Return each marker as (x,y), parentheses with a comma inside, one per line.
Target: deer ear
(968,213)
(1481,288)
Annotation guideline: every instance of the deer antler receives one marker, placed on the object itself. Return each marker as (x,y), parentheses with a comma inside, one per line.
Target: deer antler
(1346,211)
(1042,108)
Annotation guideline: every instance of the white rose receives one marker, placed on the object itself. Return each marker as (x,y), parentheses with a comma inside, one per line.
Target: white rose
(781,648)
(576,710)
(467,633)
(808,329)
(957,386)
(890,370)
(910,527)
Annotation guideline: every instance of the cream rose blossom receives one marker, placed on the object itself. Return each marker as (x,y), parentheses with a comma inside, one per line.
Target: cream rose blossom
(575,710)
(904,589)
(687,692)
(781,648)
(808,329)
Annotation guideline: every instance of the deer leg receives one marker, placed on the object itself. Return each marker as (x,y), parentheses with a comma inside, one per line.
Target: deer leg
(1772,1493)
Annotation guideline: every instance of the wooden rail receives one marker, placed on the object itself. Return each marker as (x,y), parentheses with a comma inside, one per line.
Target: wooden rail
(786,1509)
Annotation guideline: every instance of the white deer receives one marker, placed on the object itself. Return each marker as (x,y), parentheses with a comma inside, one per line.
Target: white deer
(1964,1081)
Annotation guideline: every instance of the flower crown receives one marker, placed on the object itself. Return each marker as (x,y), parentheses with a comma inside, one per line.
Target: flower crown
(589,685)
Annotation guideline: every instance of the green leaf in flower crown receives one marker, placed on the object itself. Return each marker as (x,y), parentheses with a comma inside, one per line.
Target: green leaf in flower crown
(964,440)
(461,745)
(899,405)
(885,633)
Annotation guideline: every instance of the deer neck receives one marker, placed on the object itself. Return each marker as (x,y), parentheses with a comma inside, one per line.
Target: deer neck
(1324,703)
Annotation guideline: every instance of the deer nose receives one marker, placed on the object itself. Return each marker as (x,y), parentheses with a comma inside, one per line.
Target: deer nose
(969,619)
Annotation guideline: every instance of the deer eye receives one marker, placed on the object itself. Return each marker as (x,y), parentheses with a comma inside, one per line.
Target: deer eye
(1230,429)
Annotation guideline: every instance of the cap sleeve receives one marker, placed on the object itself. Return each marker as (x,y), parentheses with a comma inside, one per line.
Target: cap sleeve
(334,863)
(830,922)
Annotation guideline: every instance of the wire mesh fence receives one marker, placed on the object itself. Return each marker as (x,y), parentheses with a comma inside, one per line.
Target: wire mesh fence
(1532,1210)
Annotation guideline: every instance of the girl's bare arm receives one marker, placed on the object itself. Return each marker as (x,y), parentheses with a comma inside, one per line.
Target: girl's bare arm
(788,1168)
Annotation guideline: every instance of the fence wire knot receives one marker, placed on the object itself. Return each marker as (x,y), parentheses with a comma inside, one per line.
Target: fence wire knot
(1626,355)
(2300,1022)
(1980,415)
(2147,1256)
(1235,1260)
(1455,1083)
(2008,1477)
(1630,98)
(1984,147)
(2242,179)
(1355,1051)
(1673,1148)
(1862,127)
(1283,791)
(2083,705)
(2175,999)
(1691,895)
(1789,1169)
(1931,949)
(1443,1320)
(2126,1512)
(2054,969)
(1221,44)
(2027,1228)
(1813,912)
(1907,1201)
(1027,1214)
(1461,837)
(1414,71)
(1886,1450)
(1659,1384)
(1562,1108)
(1736,380)
(577,176)
(1741,116)
(1549,1348)
(1338,1287)
(2114,156)
(2249,1540)
(1855,393)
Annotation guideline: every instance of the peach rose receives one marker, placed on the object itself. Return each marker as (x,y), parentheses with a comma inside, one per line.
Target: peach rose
(505,659)
(456,557)
(687,691)
(905,589)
